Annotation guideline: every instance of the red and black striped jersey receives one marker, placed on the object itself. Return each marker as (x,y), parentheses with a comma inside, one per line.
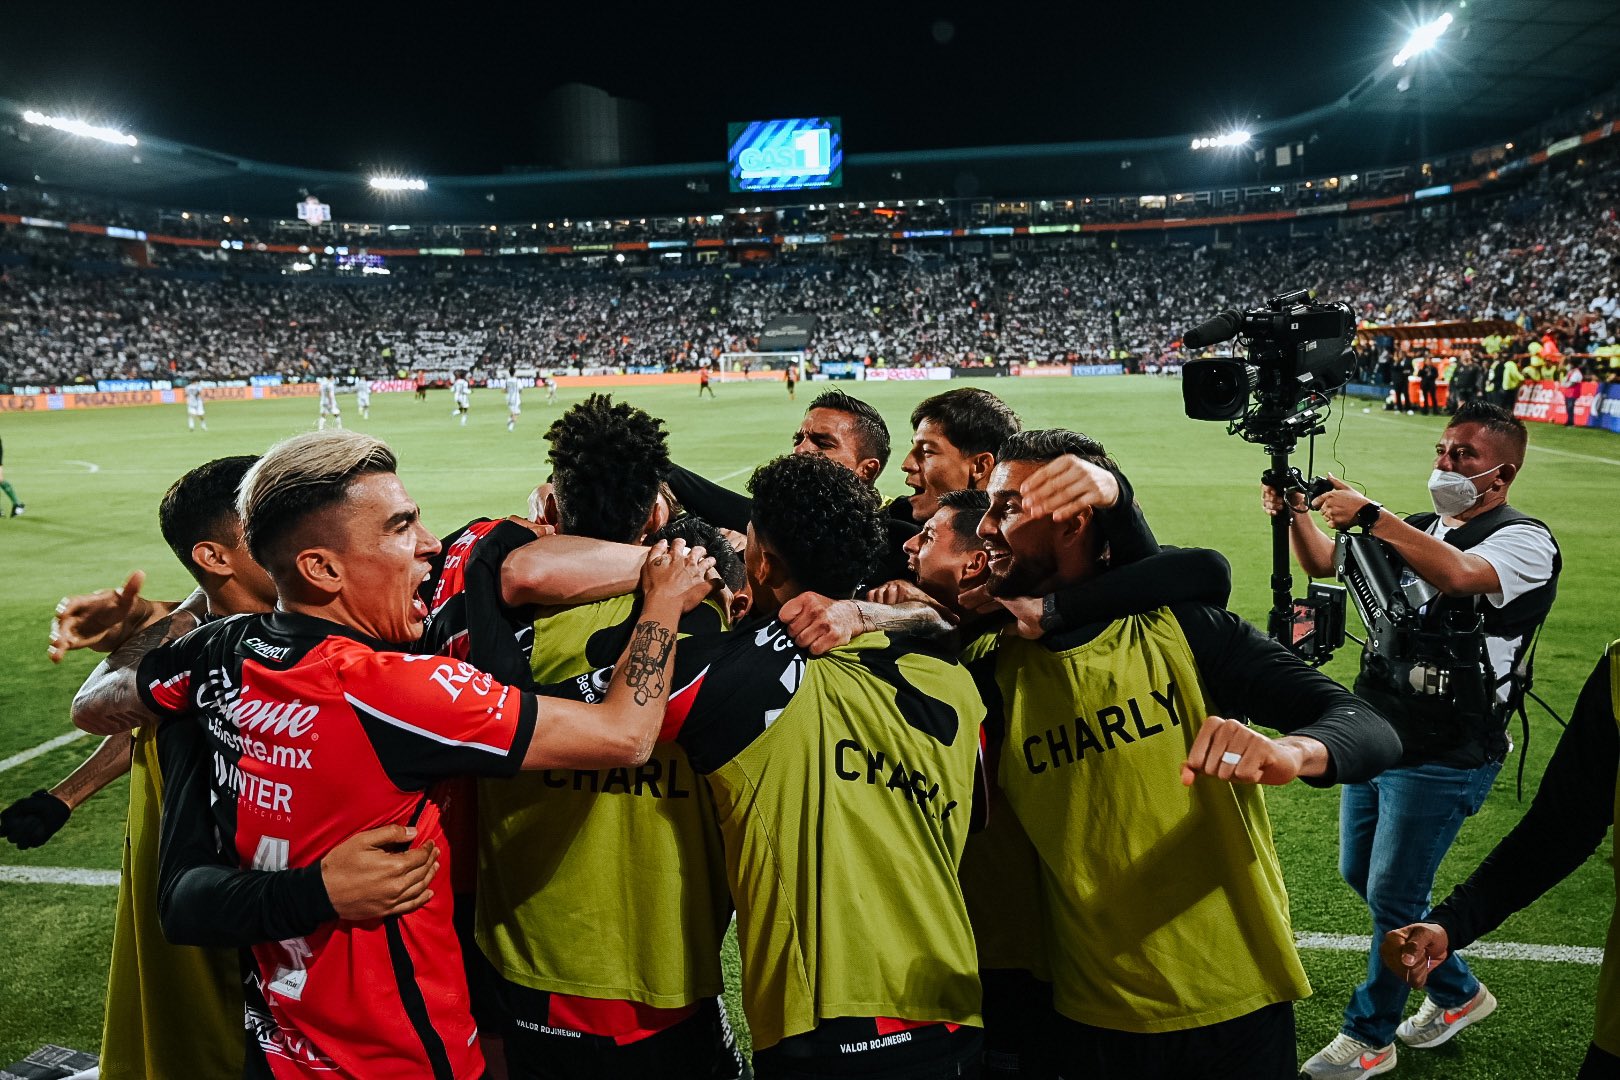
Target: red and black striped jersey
(315,733)
(466,613)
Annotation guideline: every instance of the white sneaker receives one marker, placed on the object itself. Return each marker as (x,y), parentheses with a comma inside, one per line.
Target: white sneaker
(1433,1024)
(1349,1059)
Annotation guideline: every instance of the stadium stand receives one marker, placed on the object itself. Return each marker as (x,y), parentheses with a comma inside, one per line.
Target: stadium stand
(1544,254)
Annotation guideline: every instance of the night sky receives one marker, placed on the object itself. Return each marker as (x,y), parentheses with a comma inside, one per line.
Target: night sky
(443,88)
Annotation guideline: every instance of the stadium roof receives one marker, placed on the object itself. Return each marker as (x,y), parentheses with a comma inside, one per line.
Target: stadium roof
(1319,78)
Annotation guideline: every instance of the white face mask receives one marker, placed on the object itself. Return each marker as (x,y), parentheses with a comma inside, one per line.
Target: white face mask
(1453,493)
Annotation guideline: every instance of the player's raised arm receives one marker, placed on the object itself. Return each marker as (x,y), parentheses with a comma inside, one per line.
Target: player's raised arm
(624,727)
(570,570)
(105,619)
(109,700)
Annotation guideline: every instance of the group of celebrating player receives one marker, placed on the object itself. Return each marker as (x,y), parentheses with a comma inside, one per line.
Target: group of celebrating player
(961,766)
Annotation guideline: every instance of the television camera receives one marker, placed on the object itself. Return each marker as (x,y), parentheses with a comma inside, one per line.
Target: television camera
(1296,356)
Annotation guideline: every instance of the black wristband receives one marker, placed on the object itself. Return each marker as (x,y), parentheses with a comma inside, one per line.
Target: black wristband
(1051,620)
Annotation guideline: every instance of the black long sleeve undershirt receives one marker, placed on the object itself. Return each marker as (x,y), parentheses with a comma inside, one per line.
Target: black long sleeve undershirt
(1173,576)
(203,898)
(1251,676)
(714,503)
(1567,820)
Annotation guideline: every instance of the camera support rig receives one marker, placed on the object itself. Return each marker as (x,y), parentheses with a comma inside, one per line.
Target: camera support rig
(1277,396)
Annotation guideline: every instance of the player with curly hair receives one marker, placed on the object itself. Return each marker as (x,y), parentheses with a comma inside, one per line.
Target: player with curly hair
(633,988)
(843,786)
(607,462)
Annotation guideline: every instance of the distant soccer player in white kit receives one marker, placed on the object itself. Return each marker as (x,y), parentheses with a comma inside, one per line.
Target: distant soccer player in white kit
(514,399)
(195,412)
(551,389)
(329,404)
(362,397)
(461,394)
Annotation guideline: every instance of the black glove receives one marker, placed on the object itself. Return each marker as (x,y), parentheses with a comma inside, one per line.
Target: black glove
(30,822)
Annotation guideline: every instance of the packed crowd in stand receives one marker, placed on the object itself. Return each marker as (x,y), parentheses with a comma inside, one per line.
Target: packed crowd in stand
(1545,257)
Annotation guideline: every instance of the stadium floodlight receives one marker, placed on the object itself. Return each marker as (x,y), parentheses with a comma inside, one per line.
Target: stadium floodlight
(1230,138)
(1423,39)
(80,127)
(397,183)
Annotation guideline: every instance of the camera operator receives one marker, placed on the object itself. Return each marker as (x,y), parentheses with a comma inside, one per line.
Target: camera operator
(1496,572)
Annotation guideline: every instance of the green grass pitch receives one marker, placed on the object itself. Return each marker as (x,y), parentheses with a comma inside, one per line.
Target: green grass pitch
(92,480)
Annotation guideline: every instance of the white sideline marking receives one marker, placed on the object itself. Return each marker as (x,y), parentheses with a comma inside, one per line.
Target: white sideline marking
(89,466)
(1573,454)
(736,473)
(1532,446)
(43,748)
(57,875)
(1488,950)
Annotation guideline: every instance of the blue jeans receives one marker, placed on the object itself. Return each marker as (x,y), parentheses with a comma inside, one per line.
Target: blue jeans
(1393,832)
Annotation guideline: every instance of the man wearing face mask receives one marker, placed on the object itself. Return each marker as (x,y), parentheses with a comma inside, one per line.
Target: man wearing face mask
(1489,562)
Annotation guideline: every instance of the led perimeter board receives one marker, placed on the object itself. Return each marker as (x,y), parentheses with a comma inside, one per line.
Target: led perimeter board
(786,155)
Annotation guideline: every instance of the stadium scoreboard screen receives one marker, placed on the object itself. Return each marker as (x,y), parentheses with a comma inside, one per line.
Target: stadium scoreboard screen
(786,155)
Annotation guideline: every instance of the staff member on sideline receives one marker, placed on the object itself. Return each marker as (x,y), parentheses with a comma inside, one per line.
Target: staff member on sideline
(1493,566)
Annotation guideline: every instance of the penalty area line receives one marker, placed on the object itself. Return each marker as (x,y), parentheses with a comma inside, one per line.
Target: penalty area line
(43,748)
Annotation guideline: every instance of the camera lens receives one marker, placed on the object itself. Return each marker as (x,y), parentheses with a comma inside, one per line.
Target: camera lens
(1221,390)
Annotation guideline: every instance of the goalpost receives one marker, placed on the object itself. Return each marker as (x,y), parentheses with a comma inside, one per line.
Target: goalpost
(741,366)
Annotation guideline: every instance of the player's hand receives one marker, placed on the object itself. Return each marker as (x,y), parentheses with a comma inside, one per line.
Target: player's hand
(1340,506)
(1272,503)
(819,625)
(1259,759)
(1413,951)
(1026,612)
(539,528)
(977,600)
(98,620)
(899,592)
(1066,486)
(373,874)
(31,821)
(677,571)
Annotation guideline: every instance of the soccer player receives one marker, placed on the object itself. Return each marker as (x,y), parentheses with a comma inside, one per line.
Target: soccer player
(955,436)
(845,429)
(362,397)
(791,377)
(329,402)
(633,988)
(460,397)
(843,786)
(1171,950)
(329,519)
(144,1035)
(551,389)
(514,399)
(196,413)
(999,872)
(421,385)
(703,382)
(17,507)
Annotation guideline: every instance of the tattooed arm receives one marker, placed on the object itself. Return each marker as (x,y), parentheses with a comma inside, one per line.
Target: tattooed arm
(819,624)
(622,729)
(108,703)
